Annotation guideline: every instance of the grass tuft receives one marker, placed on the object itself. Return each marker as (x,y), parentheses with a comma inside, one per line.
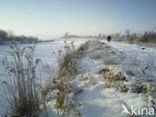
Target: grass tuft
(21,83)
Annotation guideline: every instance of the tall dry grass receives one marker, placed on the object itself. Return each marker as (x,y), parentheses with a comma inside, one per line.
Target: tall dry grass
(67,69)
(22,83)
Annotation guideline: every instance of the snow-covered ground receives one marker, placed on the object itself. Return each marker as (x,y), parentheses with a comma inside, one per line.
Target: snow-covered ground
(46,51)
(137,64)
(94,96)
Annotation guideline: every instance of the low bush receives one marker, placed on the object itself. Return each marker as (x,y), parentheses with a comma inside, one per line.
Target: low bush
(113,78)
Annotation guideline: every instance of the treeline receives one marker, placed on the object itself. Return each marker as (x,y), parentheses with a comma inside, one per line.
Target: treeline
(9,36)
(149,36)
(67,35)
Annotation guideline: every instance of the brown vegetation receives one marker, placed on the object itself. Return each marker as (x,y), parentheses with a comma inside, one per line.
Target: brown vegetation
(21,82)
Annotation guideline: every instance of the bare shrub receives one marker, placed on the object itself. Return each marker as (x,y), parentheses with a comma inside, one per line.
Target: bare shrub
(141,88)
(114,79)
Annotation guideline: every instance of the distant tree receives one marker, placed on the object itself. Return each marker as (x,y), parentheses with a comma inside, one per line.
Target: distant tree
(117,35)
(66,35)
(100,36)
(127,31)
(11,34)
(133,37)
(3,35)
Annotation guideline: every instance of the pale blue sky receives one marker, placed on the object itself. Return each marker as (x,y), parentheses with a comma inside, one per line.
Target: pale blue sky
(52,18)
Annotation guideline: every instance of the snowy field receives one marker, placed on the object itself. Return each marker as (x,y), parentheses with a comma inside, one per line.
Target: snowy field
(46,51)
(137,65)
(133,65)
